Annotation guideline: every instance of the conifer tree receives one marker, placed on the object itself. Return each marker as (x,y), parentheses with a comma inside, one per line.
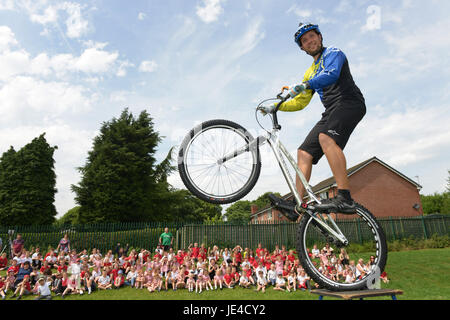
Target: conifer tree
(27,184)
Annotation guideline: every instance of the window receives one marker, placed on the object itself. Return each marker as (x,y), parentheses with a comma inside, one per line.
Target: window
(323,195)
(269,215)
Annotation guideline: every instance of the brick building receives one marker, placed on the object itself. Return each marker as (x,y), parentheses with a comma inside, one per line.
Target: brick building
(379,187)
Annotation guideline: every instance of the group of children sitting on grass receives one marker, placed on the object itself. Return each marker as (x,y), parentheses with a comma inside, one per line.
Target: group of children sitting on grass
(195,269)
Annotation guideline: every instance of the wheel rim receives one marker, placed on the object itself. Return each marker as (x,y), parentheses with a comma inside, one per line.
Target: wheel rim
(210,178)
(368,228)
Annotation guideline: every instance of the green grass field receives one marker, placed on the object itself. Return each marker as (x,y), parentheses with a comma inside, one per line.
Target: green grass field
(421,274)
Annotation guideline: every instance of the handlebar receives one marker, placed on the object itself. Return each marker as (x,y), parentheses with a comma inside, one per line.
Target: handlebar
(277,107)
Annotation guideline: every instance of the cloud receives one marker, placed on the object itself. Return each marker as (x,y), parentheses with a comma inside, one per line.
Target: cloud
(76,25)
(148,66)
(427,47)
(41,12)
(93,60)
(311,15)
(142,16)
(122,71)
(7,38)
(27,100)
(302,13)
(210,11)
(250,39)
(187,29)
(50,15)
(402,137)
(6,4)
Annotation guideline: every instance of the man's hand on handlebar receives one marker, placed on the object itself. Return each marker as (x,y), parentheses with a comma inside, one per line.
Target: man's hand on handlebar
(296,89)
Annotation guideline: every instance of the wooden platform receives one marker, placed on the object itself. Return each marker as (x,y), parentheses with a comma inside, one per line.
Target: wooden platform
(360,294)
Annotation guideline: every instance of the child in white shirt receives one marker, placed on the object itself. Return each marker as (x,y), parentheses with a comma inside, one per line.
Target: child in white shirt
(280,283)
(261,282)
(272,275)
(43,290)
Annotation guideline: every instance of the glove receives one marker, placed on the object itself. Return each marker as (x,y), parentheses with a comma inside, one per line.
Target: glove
(265,109)
(297,89)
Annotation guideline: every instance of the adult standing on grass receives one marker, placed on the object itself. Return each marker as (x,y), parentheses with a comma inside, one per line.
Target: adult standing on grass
(166,239)
(17,245)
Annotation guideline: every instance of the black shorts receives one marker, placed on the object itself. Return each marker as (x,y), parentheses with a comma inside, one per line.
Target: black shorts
(167,247)
(338,123)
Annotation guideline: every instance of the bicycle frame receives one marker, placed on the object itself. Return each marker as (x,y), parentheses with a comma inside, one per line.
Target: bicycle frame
(279,149)
(272,138)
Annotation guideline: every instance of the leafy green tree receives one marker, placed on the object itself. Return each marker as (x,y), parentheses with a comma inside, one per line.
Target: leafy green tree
(446,203)
(27,184)
(239,212)
(9,187)
(263,200)
(184,206)
(436,203)
(121,181)
(70,217)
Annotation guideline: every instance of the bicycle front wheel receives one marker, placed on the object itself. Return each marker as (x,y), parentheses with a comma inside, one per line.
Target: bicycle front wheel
(201,167)
(356,266)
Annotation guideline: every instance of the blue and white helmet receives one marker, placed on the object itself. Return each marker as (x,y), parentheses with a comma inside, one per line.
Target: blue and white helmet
(303,28)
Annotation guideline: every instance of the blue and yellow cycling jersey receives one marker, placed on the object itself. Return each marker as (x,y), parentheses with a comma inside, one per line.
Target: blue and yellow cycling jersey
(330,77)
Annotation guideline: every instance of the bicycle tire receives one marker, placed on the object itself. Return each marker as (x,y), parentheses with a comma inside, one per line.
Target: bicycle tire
(319,278)
(184,166)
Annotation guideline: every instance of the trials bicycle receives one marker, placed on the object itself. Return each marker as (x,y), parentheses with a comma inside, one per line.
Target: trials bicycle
(219,162)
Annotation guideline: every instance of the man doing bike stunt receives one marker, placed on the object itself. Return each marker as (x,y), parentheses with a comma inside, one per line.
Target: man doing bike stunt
(330,77)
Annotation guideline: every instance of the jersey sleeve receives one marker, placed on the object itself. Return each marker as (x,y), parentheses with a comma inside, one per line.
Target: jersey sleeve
(299,102)
(333,61)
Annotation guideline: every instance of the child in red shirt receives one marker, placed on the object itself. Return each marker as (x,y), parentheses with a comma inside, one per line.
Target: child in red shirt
(195,251)
(23,288)
(202,252)
(14,267)
(291,256)
(228,279)
(259,250)
(235,274)
(45,267)
(119,280)
(61,268)
(3,262)
(180,257)
(115,271)
(249,272)
(2,288)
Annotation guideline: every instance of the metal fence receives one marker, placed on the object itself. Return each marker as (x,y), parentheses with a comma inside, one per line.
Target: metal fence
(145,235)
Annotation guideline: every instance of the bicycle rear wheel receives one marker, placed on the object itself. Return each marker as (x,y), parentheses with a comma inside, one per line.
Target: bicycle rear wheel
(202,171)
(366,239)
